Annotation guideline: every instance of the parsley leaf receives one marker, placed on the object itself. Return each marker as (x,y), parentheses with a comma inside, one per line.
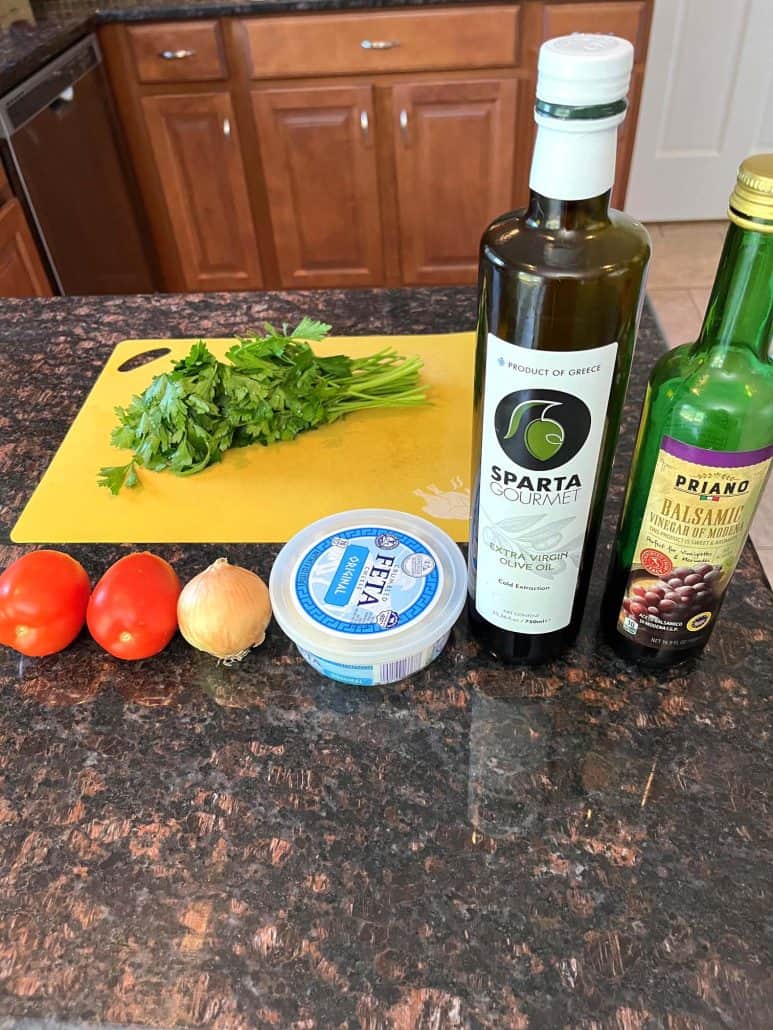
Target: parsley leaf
(116,476)
(271,388)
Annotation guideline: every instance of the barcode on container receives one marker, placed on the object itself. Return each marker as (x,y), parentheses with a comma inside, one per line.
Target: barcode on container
(391,671)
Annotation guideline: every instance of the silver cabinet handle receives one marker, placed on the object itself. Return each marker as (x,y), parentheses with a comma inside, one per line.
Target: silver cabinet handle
(364,123)
(226,126)
(176,55)
(379,44)
(404,124)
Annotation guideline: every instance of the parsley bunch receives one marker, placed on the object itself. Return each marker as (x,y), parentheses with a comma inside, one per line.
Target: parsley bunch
(273,387)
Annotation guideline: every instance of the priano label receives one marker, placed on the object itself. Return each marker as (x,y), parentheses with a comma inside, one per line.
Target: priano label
(694,527)
(543,424)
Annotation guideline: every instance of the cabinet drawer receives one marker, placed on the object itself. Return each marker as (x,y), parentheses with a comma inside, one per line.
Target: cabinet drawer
(177,51)
(339,44)
(624,19)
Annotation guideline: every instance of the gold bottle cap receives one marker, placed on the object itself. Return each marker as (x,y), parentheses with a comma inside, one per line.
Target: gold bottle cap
(751,202)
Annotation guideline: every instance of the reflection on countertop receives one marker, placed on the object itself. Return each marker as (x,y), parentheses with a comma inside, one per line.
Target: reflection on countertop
(184,844)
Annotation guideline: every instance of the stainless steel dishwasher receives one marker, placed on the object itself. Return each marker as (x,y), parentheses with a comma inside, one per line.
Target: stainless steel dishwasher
(63,154)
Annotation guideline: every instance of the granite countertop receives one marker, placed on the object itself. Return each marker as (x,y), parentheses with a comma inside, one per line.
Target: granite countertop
(26,46)
(183,844)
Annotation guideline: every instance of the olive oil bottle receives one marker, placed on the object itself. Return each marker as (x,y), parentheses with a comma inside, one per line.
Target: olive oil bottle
(560,291)
(703,453)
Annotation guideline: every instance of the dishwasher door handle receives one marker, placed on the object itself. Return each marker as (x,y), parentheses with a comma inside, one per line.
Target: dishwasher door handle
(65,97)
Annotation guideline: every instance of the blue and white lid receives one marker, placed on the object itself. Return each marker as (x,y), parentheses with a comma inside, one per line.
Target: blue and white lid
(368,581)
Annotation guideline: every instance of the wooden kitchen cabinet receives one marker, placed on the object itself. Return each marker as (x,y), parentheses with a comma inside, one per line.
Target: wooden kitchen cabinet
(195,145)
(21,270)
(177,52)
(625,18)
(381,42)
(454,146)
(625,138)
(348,148)
(322,177)
(629,19)
(319,163)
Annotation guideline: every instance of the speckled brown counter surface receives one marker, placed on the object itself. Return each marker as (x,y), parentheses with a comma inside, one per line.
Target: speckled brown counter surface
(187,845)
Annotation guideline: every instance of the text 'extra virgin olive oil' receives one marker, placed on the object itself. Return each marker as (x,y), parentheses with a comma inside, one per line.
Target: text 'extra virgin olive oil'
(560,294)
(703,453)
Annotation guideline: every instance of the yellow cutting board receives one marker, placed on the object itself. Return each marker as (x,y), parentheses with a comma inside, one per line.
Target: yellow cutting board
(416,460)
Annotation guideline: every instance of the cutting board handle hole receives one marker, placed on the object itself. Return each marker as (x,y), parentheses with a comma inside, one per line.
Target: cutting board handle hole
(145,358)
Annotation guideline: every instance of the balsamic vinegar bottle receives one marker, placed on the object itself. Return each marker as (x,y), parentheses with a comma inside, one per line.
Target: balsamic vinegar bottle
(704,451)
(560,292)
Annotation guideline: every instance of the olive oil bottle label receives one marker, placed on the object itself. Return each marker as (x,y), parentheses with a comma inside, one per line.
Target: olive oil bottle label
(543,423)
(693,529)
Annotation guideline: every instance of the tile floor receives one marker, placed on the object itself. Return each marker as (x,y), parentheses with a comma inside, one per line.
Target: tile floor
(684,260)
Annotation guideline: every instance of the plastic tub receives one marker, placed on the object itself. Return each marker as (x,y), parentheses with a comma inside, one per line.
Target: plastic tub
(369,596)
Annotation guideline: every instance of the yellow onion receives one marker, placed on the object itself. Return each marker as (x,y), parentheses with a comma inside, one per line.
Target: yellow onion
(224,611)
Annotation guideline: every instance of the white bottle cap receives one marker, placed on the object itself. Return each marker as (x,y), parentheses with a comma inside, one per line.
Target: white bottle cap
(584,70)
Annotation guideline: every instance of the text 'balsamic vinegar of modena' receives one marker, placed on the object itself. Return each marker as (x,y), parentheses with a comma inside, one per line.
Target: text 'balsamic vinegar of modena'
(560,290)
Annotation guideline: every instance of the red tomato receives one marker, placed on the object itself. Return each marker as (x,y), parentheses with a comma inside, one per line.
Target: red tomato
(133,610)
(43,598)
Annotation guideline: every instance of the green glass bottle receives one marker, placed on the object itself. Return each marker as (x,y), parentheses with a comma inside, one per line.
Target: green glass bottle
(703,453)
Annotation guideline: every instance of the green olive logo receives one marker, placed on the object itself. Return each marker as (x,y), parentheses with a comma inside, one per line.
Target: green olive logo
(542,436)
(541,429)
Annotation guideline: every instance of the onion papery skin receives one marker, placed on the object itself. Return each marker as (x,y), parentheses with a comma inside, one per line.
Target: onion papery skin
(224,611)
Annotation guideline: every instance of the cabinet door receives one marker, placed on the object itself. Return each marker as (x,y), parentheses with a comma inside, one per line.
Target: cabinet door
(625,138)
(21,270)
(321,176)
(196,151)
(624,18)
(628,19)
(454,156)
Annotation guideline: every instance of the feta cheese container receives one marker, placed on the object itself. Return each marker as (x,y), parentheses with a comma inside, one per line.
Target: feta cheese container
(369,596)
